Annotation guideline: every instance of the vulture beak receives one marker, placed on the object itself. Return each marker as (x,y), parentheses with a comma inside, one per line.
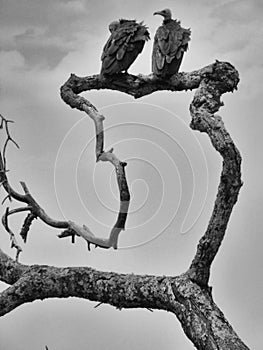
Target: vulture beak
(158,13)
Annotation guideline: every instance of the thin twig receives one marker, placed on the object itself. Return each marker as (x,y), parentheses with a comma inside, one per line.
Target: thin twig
(4,124)
(14,243)
(99,304)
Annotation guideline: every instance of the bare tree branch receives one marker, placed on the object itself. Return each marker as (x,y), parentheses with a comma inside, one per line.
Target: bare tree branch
(14,243)
(4,125)
(134,85)
(205,104)
(211,82)
(26,226)
(202,321)
(82,104)
(188,295)
(70,228)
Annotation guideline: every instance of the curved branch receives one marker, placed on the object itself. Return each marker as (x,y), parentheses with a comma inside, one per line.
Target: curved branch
(4,124)
(75,101)
(188,295)
(136,86)
(205,104)
(211,82)
(14,243)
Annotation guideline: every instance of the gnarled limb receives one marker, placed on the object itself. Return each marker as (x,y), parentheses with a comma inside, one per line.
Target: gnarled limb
(211,82)
(205,104)
(134,85)
(188,295)
(202,321)
(70,228)
(82,104)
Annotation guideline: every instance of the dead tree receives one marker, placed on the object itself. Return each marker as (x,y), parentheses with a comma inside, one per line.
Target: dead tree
(188,295)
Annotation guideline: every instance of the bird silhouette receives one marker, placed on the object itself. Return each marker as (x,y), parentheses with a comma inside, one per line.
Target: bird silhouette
(170,44)
(125,43)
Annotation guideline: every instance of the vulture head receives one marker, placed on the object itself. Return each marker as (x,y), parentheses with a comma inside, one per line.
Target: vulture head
(113,26)
(166,13)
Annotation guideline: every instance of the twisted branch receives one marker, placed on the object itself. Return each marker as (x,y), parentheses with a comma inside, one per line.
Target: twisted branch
(211,82)
(105,156)
(70,228)
(205,104)
(188,295)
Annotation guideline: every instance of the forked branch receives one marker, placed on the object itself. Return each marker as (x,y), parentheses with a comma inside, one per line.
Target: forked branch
(187,295)
(70,228)
(211,83)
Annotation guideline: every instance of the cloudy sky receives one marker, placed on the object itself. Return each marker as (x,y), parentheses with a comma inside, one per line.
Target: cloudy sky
(172,172)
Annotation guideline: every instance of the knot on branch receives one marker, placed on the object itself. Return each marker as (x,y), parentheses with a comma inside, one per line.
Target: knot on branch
(224,76)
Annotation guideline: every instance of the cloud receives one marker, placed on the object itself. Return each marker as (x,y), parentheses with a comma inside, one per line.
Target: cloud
(237,36)
(238,11)
(10,60)
(39,49)
(45,32)
(238,26)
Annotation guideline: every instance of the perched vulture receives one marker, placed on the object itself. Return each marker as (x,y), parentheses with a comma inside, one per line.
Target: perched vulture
(170,43)
(126,41)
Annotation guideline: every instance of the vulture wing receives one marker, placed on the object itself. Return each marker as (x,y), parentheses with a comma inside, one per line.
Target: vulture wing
(123,46)
(170,43)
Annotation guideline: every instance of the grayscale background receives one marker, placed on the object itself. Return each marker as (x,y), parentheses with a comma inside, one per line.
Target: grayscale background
(173,172)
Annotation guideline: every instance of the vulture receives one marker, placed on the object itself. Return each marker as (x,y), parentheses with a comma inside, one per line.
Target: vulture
(170,43)
(126,41)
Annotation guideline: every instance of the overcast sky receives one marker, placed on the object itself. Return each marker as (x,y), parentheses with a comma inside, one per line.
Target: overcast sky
(172,172)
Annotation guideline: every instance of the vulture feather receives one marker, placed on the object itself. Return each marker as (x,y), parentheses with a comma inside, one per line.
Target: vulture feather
(125,43)
(170,43)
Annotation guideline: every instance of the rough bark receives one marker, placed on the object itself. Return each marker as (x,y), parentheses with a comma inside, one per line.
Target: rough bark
(203,322)
(188,296)
(205,104)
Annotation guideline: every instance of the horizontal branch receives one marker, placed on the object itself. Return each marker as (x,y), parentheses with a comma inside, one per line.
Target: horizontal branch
(202,321)
(122,291)
(136,86)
